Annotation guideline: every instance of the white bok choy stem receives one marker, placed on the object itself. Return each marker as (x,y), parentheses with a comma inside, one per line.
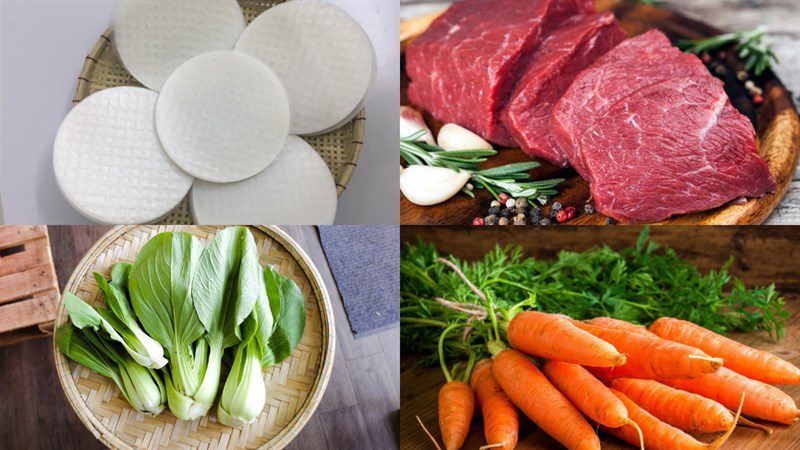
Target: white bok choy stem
(160,285)
(146,350)
(264,342)
(226,286)
(141,386)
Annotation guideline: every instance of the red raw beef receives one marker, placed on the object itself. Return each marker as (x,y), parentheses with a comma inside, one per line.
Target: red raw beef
(464,67)
(560,57)
(656,135)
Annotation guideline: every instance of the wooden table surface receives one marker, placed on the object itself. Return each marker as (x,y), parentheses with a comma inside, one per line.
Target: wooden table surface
(754,249)
(781,17)
(359,409)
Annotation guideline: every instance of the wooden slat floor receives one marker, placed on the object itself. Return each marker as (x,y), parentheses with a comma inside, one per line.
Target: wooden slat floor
(359,409)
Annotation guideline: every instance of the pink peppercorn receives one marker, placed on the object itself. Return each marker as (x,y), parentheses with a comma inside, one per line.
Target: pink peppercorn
(478,221)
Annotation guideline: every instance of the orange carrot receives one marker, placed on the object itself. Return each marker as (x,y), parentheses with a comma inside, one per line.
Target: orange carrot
(657,434)
(588,394)
(651,358)
(681,409)
(553,336)
(754,364)
(529,389)
(763,401)
(609,322)
(500,417)
(456,406)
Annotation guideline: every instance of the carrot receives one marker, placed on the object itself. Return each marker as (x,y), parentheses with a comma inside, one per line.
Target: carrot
(553,336)
(651,358)
(456,406)
(681,409)
(659,435)
(500,417)
(529,389)
(609,322)
(588,394)
(754,364)
(763,401)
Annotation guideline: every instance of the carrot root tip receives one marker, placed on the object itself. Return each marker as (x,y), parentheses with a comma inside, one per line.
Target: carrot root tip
(428,433)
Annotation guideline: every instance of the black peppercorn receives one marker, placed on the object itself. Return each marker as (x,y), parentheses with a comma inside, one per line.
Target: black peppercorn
(494,210)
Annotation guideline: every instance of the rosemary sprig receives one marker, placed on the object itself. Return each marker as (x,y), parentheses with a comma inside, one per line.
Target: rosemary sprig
(757,55)
(512,179)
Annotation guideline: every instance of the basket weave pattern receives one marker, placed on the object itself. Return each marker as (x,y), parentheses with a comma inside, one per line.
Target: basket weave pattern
(294,387)
(339,149)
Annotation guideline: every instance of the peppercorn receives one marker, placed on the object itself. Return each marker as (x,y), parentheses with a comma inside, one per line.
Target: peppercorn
(758,99)
(510,203)
(494,203)
(494,210)
(506,213)
(741,75)
(491,219)
(519,221)
(705,57)
(749,85)
(561,216)
(535,214)
(522,202)
(570,210)
(469,186)
(588,208)
(478,221)
(503,197)
(720,69)
(503,221)
(556,206)
(544,222)
(610,221)
(552,213)
(722,54)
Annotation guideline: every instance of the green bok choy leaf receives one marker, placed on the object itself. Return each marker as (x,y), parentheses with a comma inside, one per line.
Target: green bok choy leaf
(141,386)
(160,285)
(147,351)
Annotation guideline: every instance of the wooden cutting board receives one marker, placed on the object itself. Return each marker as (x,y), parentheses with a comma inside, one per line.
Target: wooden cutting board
(776,121)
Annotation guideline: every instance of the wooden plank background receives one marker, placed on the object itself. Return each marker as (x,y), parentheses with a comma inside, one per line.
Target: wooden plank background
(764,255)
(782,17)
(359,409)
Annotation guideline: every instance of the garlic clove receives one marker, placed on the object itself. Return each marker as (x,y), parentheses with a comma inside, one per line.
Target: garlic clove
(411,121)
(426,185)
(456,137)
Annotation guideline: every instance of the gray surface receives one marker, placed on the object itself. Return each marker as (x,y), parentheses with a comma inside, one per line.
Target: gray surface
(781,17)
(43,48)
(366,264)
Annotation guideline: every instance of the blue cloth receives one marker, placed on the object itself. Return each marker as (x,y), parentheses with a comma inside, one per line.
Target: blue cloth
(365,261)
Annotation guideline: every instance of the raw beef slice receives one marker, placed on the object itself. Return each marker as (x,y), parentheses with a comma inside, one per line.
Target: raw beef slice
(465,65)
(559,58)
(638,62)
(671,148)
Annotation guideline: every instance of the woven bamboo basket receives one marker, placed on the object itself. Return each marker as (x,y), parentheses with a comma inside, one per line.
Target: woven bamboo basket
(340,148)
(294,387)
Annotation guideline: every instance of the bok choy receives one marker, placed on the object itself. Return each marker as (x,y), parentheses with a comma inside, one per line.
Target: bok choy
(141,386)
(160,285)
(188,307)
(264,343)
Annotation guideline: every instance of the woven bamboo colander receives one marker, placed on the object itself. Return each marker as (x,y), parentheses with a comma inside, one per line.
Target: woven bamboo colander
(294,387)
(340,148)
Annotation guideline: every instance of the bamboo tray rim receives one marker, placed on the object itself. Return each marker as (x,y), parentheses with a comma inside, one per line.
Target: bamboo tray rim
(82,90)
(293,428)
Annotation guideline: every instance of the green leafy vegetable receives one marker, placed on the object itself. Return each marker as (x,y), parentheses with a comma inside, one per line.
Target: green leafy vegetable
(285,298)
(141,386)
(757,56)
(637,284)
(512,179)
(160,284)
(146,350)
(225,289)
(262,344)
